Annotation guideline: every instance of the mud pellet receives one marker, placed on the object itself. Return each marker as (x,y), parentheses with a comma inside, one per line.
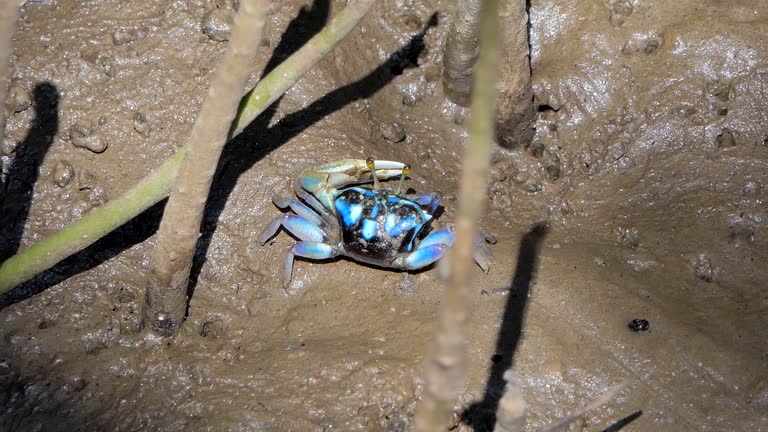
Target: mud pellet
(19,98)
(141,125)
(217,24)
(392,132)
(93,143)
(63,173)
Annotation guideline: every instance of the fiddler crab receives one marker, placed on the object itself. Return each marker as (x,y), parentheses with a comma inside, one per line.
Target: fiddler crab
(377,226)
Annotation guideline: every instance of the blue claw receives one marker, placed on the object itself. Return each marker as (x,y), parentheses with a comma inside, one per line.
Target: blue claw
(443,236)
(429,202)
(424,256)
(300,227)
(299,208)
(305,249)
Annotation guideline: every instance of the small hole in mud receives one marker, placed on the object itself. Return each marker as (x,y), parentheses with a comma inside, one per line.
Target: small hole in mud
(723,111)
(545,108)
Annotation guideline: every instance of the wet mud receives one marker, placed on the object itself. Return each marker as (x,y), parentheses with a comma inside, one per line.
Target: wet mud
(643,196)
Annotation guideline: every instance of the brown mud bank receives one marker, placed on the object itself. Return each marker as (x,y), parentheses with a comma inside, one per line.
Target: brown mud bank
(649,164)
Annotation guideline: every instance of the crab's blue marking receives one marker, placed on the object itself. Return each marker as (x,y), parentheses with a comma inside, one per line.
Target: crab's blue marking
(369,228)
(350,213)
(390,222)
(402,226)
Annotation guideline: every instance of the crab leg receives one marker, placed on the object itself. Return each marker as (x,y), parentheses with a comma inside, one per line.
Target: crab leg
(317,206)
(300,227)
(299,208)
(305,249)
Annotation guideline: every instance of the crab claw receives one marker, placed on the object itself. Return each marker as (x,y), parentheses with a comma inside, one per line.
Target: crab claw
(323,181)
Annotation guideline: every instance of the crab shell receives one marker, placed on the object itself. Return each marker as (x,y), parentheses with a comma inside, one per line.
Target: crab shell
(378,226)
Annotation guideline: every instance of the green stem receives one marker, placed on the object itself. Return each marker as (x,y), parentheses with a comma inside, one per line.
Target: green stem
(157,185)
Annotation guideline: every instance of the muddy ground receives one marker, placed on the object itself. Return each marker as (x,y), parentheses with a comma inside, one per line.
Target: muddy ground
(649,166)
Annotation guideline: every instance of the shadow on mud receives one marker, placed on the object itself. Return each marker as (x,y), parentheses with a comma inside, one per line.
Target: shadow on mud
(16,198)
(481,415)
(239,154)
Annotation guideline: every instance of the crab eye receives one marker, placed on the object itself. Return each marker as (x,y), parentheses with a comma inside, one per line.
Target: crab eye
(369,163)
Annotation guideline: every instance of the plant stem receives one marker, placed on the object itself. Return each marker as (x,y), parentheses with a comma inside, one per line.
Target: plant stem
(512,410)
(445,368)
(157,185)
(166,294)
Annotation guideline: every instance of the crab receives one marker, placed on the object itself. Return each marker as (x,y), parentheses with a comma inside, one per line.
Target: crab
(333,216)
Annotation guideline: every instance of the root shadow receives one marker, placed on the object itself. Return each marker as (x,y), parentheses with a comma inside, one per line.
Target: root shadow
(24,172)
(481,415)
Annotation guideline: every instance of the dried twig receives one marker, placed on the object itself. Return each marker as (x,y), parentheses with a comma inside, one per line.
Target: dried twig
(166,293)
(157,185)
(445,369)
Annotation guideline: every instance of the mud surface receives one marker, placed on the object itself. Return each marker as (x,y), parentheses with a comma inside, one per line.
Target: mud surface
(650,166)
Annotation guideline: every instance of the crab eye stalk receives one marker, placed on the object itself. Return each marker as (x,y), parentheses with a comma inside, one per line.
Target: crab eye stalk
(406,171)
(372,166)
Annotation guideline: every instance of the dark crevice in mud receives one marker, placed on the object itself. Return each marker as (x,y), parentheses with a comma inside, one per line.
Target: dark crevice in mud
(545,108)
(24,172)
(481,415)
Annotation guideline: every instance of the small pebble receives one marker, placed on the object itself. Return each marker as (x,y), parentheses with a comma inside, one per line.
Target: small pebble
(19,99)
(392,132)
(63,173)
(639,325)
(217,24)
